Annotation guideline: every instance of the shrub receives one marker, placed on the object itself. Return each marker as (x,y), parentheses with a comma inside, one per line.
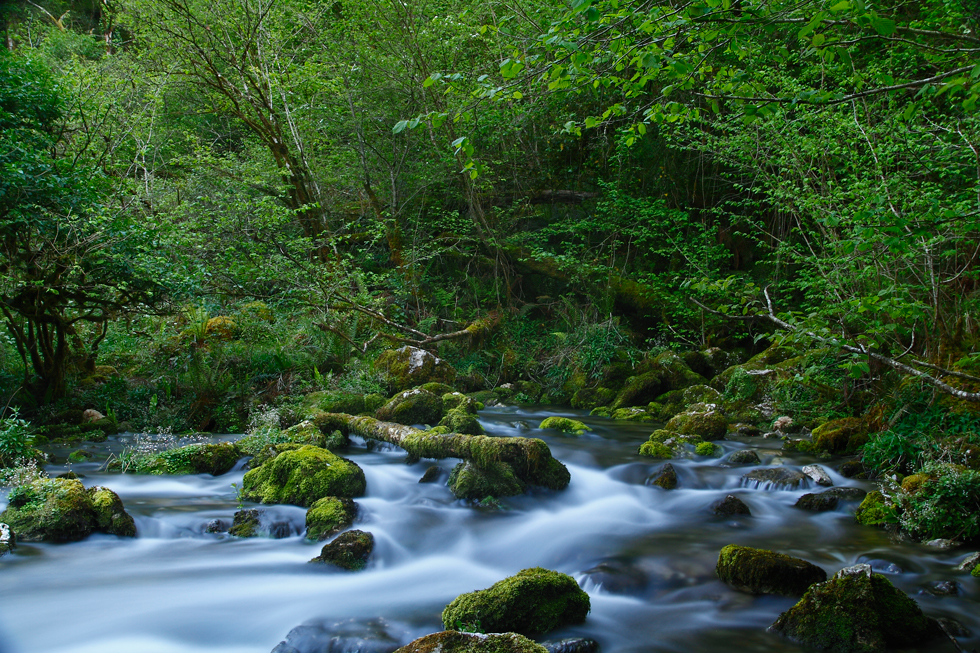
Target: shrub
(947,506)
(16,441)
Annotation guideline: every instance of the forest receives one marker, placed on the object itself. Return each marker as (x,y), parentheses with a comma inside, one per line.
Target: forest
(687,291)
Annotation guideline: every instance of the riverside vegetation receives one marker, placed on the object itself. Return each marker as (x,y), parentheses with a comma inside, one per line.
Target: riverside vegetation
(320,224)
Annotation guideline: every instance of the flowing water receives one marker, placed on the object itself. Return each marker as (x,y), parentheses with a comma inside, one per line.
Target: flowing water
(645,556)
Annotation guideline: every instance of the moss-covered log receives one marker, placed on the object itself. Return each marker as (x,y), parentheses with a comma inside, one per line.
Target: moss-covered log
(530,458)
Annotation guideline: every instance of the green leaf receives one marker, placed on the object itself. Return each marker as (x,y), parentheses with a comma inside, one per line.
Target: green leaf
(884,26)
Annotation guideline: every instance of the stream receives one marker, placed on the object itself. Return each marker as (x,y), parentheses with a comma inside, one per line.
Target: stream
(645,556)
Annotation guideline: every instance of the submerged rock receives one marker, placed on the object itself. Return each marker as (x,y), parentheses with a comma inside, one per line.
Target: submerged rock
(216,526)
(846,493)
(533,602)
(451,641)
(730,506)
(776,476)
(416,406)
(8,540)
(818,474)
(666,478)
(758,571)
(495,479)
(565,425)
(328,516)
(349,550)
(62,510)
(943,588)
(857,611)
(744,457)
(302,476)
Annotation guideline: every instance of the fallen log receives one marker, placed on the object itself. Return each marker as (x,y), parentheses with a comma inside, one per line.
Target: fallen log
(529,458)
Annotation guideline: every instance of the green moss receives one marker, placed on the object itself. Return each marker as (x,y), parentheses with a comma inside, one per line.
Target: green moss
(349,551)
(913,483)
(328,516)
(675,372)
(666,478)
(758,571)
(633,415)
(438,389)
(460,420)
(602,411)
(62,510)
(214,459)
(840,435)
(640,389)
(270,451)
(656,450)
(710,425)
(589,398)
(533,602)
(706,449)
(856,612)
(699,394)
(565,425)
(803,446)
(875,511)
(408,367)
(497,479)
(452,400)
(245,523)
(976,572)
(302,476)
(373,402)
(332,401)
(451,641)
(415,406)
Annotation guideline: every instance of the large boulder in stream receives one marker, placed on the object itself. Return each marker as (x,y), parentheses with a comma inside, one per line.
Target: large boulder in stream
(408,367)
(494,479)
(858,611)
(452,641)
(416,406)
(302,476)
(214,459)
(349,550)
(709,423)
(328,516)
(774,478)
(758,571)
(531,603)
(62,510)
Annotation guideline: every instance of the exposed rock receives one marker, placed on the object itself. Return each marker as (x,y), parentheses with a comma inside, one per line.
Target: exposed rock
(302,476)
(747,430)
(840,435)
(572,645)
(349,636)
(495,479)
(62,510)
(216,526)
(655,450)
(8,540)
(91,415)
(565,425)
(881,566)
(409,367)
(943,588)
(349,550)
(785,424)
(818,474)
(846,493)
(533,602)
(969,562)
(328,516)
(451,641)
(730,506)
(709,424)
(758,571)
(942,543)
(280,529)
(857,611)
(875,511)
(852,469)
(416,406)
(432,474)
(817,502)
(245,523)
(214,459)
(666,478)
(775,477)
(744,457)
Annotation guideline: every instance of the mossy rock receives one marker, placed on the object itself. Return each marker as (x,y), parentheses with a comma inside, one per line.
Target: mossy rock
(656,450)
(495,479)
(601,411)
(349,550)
(703,394)
(454,400)
(62,510)
(744,457)
(416,406)
(333,401)
(840,435)
(328,516)
(710,425)
(800,445)
(706,449)
(214,459)
(533,602)
(665,478)
(663,436)
(270,451)
(373,402)
(640,389)
(460,420)
(634,414)
(409,367)
(976,572)
(675,372)
(875,511)
(589,398)
(913,483)
(302,476)
(774,355)
(730,506)
(245,523)
(856,612)
(817,502)
(758,571)
(717,360)
(452,641)
(565,425)
(531,390)
(438,389)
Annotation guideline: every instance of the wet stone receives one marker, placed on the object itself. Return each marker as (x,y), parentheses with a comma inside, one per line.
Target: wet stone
(245,524)
(817,502)
(665,478)
(969,563)
(349,550)
(881,566)
(852,469)
(744,457)
(432,474)
(943,588)
(778,477)
(953,627)
(846,493)
(730,506)
(8,541)
(818,474)
(280,529)
(373,636)
(572,645)
(216,526)
(617,577)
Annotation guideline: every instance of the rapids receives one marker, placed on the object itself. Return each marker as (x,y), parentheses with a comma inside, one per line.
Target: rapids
(645,556)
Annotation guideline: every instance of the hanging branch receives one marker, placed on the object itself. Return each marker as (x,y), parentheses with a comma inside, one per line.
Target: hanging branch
(475,330)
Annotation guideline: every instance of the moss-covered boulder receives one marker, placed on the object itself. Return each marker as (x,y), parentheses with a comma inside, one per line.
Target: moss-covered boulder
(452,641)
(214,459)
(590,398)
(245,523)
(744,457)
(328,516)
(666,477)
(461,420)
(531,603)
(438,389)
(8,540)
(699,394)
(565,425)
(62,510)
(409,367)
(840,435)
(976,572)
(494,479)
(656,450)
(706,449)
(709,424)
(757,571)
(817,502)
(332,401)
(640,389)
(454,400)
(416,406)
(857,611)
(302,476)
(349,550)
(875,510)
(633,414)
(676,373)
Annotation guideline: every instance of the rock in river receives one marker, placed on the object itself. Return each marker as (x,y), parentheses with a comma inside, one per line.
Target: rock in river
(451,641)
(775,477)
(744,457)
(666,478)
(302,476)
(62,510)
(818,474)
(349,550)
(758,571)
(730,506)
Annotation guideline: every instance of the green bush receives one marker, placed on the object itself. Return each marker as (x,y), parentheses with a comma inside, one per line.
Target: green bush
(947,506)
(16,441)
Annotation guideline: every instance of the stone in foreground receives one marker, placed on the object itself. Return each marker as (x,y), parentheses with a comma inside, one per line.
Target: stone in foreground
(62,510)
(349,551)
(451,641)
(533,602)
(757,571)
(302,476)
(857,611)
